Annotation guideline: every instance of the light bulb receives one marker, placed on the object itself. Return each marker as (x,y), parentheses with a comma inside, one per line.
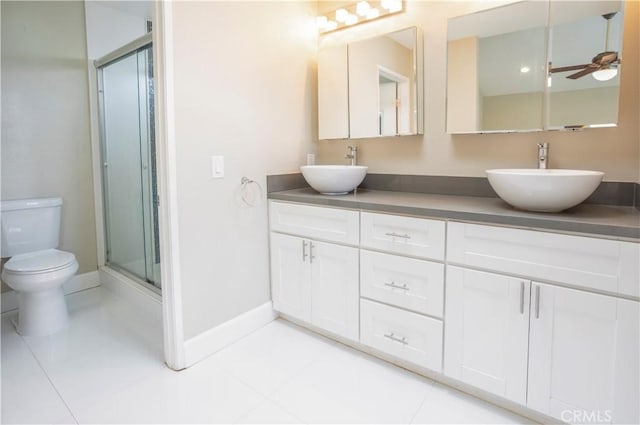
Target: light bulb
(373,13)
(362,8)
(392,5)
(351,19)
(321,22)
(605,74)
(341,15)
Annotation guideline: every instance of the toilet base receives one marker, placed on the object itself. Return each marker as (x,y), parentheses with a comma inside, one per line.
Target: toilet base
(42,313)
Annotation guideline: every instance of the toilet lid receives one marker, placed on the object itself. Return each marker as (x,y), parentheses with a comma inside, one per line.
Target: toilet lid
(48,259)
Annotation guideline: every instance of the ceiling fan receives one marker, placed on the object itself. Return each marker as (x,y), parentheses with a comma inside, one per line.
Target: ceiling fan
(602,61)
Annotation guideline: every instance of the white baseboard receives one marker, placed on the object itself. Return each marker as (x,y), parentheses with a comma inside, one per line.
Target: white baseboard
(147,302)
(207,343)
(79,282)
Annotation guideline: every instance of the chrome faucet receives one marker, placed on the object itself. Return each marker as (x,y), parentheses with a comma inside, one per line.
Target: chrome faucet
(543,154)
(352,154)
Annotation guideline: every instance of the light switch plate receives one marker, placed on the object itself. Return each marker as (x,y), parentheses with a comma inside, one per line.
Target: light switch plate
(217,167)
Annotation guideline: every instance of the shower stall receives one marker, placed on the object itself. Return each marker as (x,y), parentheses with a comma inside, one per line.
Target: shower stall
(128,159)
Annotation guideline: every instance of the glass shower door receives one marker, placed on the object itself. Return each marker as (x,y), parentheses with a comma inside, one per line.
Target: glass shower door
(128,158)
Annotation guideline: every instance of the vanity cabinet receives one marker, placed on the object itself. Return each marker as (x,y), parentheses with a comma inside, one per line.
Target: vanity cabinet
(569,353)
(312,280)
(549,321)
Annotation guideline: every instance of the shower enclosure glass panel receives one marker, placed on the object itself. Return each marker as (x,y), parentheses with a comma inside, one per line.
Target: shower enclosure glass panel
(125,87)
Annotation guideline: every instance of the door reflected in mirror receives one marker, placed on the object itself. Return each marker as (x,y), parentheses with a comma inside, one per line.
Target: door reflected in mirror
(394,103)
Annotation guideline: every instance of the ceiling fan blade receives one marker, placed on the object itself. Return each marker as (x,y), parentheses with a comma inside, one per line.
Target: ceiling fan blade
(584,72)
(568,68)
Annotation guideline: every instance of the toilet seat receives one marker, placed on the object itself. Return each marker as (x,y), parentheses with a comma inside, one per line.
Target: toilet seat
(48,260)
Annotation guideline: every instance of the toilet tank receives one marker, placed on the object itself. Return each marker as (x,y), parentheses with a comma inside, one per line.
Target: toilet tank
(29,225)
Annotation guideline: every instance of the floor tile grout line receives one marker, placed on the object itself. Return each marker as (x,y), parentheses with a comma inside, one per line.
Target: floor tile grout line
(50,380)
(424,400)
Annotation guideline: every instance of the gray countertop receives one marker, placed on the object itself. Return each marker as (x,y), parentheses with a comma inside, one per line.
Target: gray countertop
(595,220)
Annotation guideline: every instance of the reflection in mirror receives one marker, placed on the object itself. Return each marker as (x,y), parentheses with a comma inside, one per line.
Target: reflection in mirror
(384,85)
(496,69)
(585,57)
(394,103)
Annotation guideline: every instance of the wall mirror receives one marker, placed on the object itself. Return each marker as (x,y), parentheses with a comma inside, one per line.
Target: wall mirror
(513,68)
(371,88)
(585,56)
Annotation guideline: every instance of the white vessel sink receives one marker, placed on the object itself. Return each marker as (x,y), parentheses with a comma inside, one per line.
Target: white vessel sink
(334,179)
(544,190)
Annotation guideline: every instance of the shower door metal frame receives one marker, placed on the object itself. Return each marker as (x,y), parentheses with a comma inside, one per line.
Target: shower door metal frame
(132,48)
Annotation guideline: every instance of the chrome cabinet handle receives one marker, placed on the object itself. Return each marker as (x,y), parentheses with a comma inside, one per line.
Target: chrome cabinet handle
(522,297)
(394,338)
(311,256)
(537,302)
(397,235)
(304,250)
(392,284)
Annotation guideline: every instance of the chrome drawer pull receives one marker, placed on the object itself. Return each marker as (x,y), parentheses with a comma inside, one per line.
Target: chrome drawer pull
(304,250)
(392,337)
(311,256)
(392,284)
(397,235)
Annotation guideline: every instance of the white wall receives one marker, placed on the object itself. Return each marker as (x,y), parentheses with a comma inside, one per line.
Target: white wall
(616,151)
(110,26)
(46,149)
(244,86)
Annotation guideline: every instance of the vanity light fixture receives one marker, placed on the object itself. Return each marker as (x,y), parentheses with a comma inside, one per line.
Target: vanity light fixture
(358,13)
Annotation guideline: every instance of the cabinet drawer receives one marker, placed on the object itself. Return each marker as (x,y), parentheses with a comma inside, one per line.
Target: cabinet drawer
(409,283)
(329,224)
(403,334)
(600,264)
(418,237)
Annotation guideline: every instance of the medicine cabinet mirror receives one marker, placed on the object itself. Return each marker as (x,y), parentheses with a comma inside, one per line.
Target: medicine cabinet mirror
(530,66)
(371,88)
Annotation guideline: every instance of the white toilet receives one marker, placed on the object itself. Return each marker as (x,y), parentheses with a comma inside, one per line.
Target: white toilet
(36,270)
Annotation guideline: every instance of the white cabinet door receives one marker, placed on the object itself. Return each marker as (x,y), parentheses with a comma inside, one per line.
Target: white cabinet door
(583,360)
(291,276)
(486,331)
(334,288)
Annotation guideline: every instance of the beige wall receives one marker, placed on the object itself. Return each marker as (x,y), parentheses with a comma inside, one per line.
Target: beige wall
(46,149)
(244,88)
(516,111)
(616,151)
(463,108)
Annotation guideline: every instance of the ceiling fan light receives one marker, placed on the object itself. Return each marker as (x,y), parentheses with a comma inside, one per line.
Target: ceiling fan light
(605,74)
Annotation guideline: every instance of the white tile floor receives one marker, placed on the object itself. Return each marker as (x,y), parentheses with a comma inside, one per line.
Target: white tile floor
(107,368)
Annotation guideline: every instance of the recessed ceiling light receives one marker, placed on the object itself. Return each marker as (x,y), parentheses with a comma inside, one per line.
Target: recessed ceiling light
(525,69)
